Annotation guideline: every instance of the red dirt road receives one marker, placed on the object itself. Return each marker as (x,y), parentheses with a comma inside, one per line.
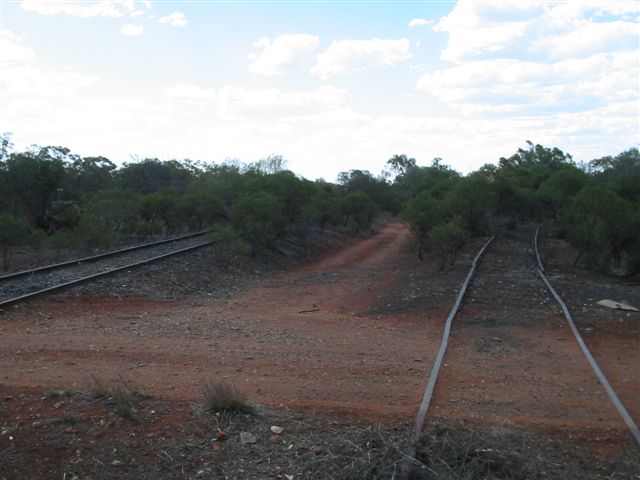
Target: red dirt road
(354,332)
(297,339)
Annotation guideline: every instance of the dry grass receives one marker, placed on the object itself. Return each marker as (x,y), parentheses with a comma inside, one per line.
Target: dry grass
(223,397)
(117,393)
(451,451)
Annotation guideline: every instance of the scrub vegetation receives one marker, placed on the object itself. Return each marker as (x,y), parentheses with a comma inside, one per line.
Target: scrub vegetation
(52,198)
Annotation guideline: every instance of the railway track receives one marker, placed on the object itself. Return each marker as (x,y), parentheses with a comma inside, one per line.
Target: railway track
(525,320)
(26,284)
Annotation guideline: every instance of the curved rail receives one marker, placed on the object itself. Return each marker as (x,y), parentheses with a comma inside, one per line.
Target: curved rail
(435,371)
(585,350)
(101,274)
(53,266)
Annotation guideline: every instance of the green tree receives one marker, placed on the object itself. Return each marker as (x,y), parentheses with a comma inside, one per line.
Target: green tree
(357,208)
(399,164)
(117,209)
(377,189)
(560,187)
(152,175)
(34,178)
(446,240)
(472,199)
(422,213)
(323,208)
(600,225)
(93,233)
(227,242)
(90,174)
(259,219)
(160,206)
(620,173)
(203,203)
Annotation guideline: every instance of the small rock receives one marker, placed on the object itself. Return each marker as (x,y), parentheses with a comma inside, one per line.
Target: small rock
(116,463)
(70,430)
(5,431)
(57,405)
(277,430)
(247,438)
(616,305)
(36,424)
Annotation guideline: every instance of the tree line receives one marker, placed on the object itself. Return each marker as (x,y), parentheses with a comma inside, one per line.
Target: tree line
(594,205)
(52,197)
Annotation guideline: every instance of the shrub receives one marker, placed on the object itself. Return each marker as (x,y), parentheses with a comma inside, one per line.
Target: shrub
(227,242)
(446,241)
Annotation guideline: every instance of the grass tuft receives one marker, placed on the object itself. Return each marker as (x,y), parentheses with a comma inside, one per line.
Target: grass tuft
(224,397)
(119,394)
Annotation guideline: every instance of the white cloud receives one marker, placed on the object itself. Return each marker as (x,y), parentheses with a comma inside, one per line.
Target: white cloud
(284,53)
(176,19)
(512,86)
(586,104)
(419,22)
(240,102)
(262,42)
(475,27)
(191,93)
(587,39)
(131,30)
(12,52)
(347,56)
(84,9)
(22,79)
(531,58)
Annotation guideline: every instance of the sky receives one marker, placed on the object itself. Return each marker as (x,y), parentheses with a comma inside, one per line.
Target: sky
(331,86)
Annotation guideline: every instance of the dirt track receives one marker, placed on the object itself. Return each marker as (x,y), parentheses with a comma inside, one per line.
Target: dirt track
(352,333)
(302,338)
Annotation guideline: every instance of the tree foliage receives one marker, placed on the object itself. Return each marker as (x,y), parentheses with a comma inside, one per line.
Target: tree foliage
(65,200)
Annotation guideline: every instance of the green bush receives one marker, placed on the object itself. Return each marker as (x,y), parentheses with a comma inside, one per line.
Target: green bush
(601,225)
(227,242)
(446,241)
(259,219)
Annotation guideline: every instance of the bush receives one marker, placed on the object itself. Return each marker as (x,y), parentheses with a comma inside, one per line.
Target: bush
(600,225)
(446,241)
(423,213)
(93,233)
(259,219)
(227,242)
